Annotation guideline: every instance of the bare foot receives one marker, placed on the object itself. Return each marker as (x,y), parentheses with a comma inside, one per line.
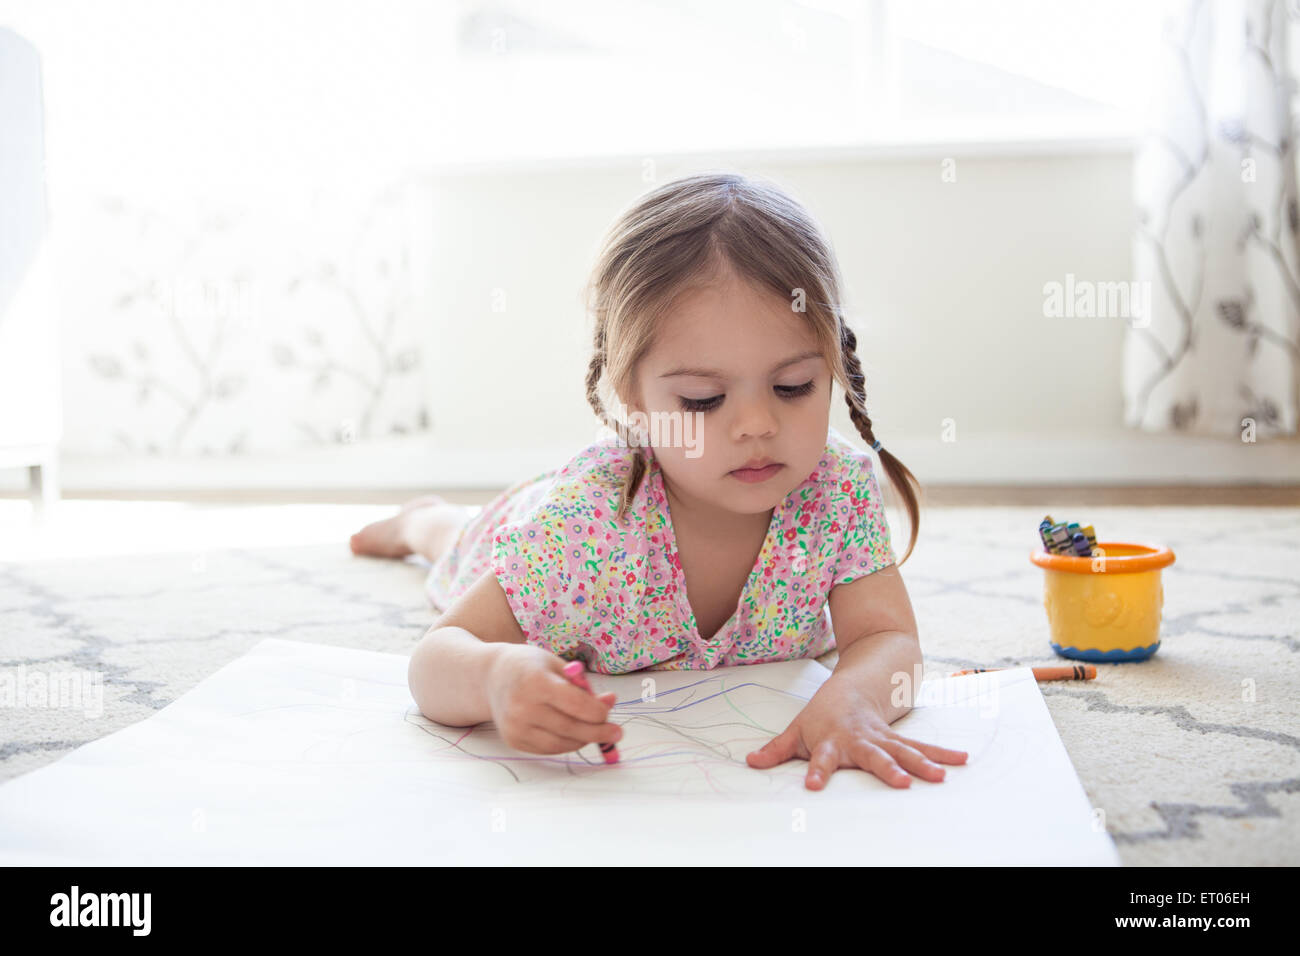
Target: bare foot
(390,538)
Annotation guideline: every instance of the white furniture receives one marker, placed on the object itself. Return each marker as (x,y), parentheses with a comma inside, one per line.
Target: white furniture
(31,418)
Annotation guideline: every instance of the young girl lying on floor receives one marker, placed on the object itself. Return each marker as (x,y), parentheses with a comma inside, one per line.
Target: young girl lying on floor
(723,521)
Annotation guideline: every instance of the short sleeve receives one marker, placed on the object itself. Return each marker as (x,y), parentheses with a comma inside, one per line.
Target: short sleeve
(534,560)
(865,545)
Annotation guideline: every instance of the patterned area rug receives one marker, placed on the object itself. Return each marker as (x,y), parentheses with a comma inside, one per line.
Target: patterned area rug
(1193,756)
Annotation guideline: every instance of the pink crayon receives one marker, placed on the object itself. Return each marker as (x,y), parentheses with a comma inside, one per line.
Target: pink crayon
(573,671)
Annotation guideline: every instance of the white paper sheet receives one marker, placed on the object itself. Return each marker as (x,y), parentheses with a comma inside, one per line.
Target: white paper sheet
(307,754)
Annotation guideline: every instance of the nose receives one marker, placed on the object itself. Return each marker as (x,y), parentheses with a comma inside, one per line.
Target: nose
(755,418)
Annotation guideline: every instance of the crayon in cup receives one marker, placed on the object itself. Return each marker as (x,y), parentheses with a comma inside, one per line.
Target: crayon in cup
(573,671)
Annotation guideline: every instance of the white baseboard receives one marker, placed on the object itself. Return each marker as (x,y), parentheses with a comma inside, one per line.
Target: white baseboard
(1120,457)
(1123,458)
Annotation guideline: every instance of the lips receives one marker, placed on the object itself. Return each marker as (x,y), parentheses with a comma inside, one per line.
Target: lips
(755,464)
(750,475)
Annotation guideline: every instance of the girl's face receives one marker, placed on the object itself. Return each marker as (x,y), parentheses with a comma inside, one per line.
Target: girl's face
(740,377)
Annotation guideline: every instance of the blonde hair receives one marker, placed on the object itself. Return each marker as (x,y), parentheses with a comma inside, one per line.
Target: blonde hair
(677,237)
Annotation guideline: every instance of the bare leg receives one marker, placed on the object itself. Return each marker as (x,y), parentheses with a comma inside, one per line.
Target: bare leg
(432,530)
(426,526)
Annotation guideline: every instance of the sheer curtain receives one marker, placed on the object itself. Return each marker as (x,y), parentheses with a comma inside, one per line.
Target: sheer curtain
(1215,188)
(238,221)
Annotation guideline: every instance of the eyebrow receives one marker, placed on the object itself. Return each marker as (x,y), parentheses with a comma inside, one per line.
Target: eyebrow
(715,373)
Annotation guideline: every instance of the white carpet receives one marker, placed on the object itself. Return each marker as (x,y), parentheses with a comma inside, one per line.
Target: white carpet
(1194,755)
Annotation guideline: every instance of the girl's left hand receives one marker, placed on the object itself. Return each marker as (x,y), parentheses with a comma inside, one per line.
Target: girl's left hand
(841,727)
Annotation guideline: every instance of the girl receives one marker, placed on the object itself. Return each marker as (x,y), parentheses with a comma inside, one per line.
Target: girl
(720,522)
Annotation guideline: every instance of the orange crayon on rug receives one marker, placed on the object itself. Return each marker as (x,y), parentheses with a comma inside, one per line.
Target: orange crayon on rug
(1069,672)
(573,671)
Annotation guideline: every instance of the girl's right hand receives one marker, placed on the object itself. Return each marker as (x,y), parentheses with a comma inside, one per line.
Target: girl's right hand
(537,710)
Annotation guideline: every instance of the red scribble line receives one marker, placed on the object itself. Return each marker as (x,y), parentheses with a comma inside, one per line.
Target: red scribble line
(712,783)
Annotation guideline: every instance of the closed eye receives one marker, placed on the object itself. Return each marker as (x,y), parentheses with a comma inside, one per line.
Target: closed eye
(709,404)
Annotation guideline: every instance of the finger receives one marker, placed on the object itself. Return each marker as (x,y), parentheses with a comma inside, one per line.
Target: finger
(561,724)
(937,753)
(784,746)
(824,762)
(539,740)
(873,759)
(580,704)
(911,759)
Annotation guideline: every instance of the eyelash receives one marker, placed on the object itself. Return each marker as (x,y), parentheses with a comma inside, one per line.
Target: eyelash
(709,404)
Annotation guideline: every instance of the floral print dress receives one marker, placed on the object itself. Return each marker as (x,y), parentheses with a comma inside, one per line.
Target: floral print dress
(613,594)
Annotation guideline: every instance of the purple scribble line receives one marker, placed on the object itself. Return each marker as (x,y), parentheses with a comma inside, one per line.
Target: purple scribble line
(695,754)
(692,703)
(564,761)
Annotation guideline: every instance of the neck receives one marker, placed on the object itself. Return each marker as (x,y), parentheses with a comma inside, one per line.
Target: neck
(710,519)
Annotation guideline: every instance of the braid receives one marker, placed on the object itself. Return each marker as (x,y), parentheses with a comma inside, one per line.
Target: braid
(633,479)
(857,385)
(631,483)
(855,396)
(593,381)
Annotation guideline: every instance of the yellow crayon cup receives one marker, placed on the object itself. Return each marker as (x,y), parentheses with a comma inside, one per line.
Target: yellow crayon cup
(1105,607)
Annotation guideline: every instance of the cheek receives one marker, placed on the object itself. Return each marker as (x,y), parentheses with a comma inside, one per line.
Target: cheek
(814,408)
(680,464)
(814,421)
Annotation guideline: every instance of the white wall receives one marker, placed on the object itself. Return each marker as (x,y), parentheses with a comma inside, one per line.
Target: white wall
(275,154)
(944,282)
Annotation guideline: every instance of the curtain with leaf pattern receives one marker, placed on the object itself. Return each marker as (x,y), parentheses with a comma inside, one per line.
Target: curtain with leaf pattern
(1217,225)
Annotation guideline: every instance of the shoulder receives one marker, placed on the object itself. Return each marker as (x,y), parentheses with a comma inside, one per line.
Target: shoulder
(854,501)
(564,561)
(576,507)
(588,485)
(847,476)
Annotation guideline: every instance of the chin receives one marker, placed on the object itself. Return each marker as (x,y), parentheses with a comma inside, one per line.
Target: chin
(751,499)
